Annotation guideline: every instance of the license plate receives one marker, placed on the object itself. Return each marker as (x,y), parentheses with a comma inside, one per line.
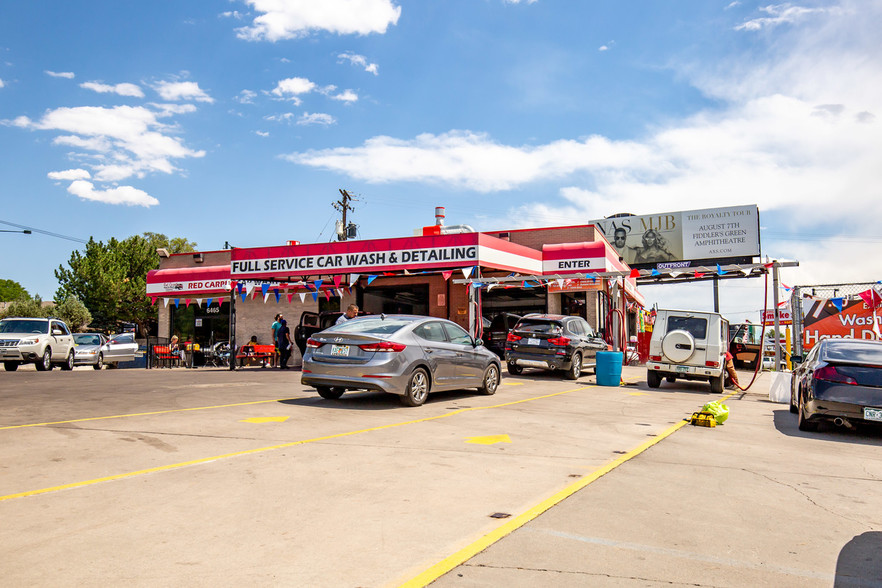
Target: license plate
(873,414)
(682,369)
(339,349)
(532,341)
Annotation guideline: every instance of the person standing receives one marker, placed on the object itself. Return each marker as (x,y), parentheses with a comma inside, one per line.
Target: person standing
(275,327)
(284,344)
(351,313)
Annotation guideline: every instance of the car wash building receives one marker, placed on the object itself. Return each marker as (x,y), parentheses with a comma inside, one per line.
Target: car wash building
(461,276)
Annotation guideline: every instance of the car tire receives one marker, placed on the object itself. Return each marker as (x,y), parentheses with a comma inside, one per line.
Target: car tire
(10,366)
(491,380)
(329,393)
(44,364)
(653,379)
(417,388)
(514,369)
(68,364)
(793,408)
(802,422)
(99,363)
(575,368)
(717,384)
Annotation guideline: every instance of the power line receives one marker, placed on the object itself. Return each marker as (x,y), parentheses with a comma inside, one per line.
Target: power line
(41,231)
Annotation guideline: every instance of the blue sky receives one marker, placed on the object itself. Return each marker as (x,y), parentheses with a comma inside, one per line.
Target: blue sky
(239,120)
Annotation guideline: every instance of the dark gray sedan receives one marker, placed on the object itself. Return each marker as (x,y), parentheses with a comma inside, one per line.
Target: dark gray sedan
(400,354)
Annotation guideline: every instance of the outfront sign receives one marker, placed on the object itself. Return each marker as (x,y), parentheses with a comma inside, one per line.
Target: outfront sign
(676,238)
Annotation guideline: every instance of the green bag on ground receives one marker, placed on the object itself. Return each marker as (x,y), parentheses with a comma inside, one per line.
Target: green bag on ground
(718,409)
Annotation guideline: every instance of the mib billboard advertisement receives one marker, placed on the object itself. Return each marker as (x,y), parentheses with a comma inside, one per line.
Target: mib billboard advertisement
(685,239)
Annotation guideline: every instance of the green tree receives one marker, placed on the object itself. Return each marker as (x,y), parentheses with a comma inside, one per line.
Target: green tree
(12,290)
(173,245)
(111,278)
(26,307)
(73,312)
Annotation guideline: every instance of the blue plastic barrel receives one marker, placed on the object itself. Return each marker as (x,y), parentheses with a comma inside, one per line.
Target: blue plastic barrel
(609,368)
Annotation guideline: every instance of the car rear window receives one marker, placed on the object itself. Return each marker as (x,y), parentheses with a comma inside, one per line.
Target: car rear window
(86,339)
(24,326)
(369,326)
(695,326)
(539,326)
(854,352)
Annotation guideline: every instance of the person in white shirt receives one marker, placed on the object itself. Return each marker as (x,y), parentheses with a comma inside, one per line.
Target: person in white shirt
(351,313)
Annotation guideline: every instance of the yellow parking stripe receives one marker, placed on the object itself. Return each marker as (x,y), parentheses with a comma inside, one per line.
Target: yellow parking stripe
(271,447)
(468,552)
(137,414)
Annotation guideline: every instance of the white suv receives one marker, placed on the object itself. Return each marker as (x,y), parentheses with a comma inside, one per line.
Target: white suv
(39,341)
(690,345)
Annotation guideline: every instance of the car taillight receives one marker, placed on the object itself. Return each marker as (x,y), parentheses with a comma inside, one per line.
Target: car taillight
(511,338)
(383,346)
(655,358)
(562,341)
(712,364)
(313,344)
(829,373)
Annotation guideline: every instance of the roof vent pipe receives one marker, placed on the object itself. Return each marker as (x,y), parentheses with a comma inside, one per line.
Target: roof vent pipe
(439,216)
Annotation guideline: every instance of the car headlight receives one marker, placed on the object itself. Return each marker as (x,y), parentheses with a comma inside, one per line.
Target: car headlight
(90,352)
(31,341)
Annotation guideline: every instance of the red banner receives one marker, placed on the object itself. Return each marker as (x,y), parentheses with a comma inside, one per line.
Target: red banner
(838,318)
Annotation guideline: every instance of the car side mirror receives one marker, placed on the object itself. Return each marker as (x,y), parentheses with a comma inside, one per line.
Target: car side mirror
(478,342)
(796,359)
(57,332)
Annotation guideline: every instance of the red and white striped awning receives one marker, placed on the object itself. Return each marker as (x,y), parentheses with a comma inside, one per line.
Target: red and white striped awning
(190,282)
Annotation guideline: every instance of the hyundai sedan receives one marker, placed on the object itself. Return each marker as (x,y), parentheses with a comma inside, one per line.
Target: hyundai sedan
(406,355)
(840,380)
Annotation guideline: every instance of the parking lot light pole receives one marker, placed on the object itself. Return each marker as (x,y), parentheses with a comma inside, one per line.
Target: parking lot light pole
(25,231)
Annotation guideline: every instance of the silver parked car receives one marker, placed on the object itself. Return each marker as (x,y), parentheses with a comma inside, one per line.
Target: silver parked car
(96,350)
(400,354)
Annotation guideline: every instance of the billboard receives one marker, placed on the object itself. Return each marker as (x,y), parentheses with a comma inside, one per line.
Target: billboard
(681,239)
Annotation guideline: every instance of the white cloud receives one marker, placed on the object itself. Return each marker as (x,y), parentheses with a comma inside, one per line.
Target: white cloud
(232,14)
(346,96)
(284,117)
(2,83)
(317,118)
(60,74)
(182,91)
(359,60)
(119,195)
(70,175)
(519,1)
(290,19)
(118,143)
(779,14)
(261,133)
(291,88)
(246,97)
(121,89)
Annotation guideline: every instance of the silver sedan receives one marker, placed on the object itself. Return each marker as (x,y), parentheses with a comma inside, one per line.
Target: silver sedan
(400,354)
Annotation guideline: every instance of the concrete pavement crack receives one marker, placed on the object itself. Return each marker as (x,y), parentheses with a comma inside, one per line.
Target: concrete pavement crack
(590,574)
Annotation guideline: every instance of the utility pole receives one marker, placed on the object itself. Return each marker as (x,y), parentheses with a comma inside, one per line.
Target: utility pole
(343,206)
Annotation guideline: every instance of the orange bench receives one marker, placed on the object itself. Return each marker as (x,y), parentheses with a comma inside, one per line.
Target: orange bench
(263,354)
(163,357)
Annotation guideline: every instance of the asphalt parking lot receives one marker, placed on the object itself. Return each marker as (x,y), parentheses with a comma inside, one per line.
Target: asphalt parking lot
(210,477)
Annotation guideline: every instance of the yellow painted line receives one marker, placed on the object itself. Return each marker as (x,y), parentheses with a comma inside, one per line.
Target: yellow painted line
(489,439)
(261,420)
(512,383)
(274,447)
(137,414)
(637,394)
(468,552)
